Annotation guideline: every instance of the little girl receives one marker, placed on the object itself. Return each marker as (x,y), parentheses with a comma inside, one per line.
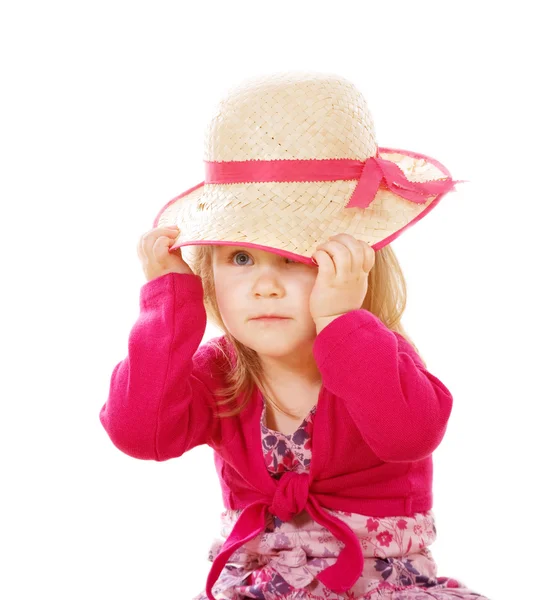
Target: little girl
(321,413)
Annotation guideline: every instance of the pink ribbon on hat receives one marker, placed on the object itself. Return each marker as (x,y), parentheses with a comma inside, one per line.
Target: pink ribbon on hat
(370,173)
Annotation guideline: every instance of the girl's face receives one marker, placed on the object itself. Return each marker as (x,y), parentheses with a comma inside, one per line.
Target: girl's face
(250,282)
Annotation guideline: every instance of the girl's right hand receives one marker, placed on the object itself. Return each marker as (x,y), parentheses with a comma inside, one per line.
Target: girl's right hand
(154,253)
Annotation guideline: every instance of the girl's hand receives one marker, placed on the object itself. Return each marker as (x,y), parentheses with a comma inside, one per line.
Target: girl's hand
(342,281)
(154,252)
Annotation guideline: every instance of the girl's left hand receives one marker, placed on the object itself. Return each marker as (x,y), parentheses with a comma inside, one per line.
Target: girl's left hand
(342,281)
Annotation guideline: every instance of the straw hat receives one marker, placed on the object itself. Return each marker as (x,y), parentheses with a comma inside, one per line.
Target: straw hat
(291,159)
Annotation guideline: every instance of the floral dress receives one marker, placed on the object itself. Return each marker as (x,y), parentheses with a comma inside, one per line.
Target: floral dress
(283,561)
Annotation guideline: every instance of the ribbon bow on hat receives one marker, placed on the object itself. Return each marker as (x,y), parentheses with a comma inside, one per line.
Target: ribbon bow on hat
(370,174)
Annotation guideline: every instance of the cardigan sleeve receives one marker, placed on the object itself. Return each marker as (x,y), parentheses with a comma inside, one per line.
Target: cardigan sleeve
(160,404)
(400,409)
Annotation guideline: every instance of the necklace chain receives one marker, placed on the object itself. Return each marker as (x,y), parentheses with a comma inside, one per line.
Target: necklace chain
(273,403)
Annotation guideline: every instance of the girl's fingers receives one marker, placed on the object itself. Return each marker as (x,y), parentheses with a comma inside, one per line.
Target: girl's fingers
(369,259)
(363,255)
(342,254)
(325,264)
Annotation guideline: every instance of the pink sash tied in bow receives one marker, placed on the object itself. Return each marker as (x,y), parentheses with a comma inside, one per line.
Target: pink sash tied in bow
(292,495)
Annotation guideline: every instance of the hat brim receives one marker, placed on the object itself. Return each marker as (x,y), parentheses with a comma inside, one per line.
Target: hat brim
(298,219)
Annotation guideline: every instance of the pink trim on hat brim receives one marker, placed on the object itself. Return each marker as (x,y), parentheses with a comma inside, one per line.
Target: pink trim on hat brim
(300,257)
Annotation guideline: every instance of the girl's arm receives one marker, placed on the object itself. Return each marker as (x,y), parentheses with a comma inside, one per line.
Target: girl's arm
(160,404)
(400,409)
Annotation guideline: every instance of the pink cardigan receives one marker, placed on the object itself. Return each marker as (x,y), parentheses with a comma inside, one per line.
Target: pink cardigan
(379,417)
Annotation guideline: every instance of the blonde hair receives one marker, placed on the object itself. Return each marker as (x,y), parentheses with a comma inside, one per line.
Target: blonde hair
(386,299)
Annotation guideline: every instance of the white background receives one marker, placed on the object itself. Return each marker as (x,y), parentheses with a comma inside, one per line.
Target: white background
(103,110)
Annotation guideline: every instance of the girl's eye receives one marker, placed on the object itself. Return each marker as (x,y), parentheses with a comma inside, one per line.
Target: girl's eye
(236,253)
(231,258)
